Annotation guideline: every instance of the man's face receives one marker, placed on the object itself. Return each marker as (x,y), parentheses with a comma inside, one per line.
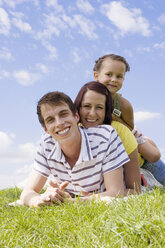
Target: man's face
(111,74)
(59,121)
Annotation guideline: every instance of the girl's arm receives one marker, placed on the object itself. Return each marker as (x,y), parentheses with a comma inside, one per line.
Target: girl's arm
(127,116)
(149,150)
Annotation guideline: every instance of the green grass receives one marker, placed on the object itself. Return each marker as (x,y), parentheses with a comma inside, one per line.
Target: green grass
(137,222)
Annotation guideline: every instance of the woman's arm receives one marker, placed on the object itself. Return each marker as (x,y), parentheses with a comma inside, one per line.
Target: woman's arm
(132,174)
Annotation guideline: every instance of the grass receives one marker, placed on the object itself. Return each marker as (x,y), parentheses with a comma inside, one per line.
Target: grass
(137,222)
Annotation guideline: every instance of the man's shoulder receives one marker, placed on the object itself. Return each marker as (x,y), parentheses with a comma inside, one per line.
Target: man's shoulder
(100,131)
(47,139)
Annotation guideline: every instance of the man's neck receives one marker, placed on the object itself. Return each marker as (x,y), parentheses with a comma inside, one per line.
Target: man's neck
(72,151)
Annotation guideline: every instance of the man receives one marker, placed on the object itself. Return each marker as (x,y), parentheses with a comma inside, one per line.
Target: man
(81,160)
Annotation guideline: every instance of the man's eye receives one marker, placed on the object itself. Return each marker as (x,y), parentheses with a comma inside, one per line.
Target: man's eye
(109,74)
(49,120)
(99,107)
(63,114)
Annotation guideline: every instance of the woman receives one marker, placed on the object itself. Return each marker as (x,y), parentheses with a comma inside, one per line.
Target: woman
(94,105)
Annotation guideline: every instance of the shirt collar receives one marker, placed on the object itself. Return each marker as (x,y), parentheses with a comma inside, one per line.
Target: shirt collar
(85,152)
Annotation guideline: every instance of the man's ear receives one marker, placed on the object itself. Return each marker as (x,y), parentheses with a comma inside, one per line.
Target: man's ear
(95,73)
(45,129)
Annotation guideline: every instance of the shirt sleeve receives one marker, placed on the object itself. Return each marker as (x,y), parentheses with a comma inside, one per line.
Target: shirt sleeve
(40,161)
(126,137)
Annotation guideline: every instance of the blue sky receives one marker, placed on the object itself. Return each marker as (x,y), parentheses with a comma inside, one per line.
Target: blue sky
(52,45)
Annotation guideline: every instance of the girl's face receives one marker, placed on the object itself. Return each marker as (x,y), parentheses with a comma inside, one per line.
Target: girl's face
(111,74)
(92,110)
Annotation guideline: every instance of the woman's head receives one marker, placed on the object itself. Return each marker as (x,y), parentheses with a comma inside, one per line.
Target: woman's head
(94,104)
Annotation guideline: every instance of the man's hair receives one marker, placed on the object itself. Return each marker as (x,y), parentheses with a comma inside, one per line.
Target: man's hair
(54,98)
(98,63)
(101,89)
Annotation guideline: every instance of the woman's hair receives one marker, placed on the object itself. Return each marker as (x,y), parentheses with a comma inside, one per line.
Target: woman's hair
(99,61)
(101,89)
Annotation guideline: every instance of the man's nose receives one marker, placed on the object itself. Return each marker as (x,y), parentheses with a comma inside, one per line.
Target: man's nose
(59,121)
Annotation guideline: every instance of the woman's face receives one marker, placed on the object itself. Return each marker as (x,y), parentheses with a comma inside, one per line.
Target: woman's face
(92,110)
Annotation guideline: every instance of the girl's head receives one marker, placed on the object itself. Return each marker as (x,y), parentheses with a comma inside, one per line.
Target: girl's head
(94,104)
(99,62)
(110,71)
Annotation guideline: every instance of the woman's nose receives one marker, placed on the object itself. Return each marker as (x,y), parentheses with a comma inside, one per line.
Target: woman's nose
(92,111)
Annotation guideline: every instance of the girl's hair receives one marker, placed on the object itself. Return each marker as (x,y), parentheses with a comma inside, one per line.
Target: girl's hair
(101,89)
(98,63)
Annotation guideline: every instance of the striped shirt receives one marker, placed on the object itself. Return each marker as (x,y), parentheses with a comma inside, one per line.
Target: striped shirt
(101,152)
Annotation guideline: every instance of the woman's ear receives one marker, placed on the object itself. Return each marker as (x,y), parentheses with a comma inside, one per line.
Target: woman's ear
(95,73)
(77,117)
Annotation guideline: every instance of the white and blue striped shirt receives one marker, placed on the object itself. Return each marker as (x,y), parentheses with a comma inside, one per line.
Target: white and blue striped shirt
(101,152)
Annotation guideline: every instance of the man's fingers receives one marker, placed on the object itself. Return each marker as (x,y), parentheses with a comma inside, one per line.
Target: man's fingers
(53,184)
(64,185)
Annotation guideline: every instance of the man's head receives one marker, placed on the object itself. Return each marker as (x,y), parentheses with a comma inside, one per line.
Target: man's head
(55,98)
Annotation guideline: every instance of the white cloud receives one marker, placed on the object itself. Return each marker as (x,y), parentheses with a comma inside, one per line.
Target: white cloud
(127,21)
(26,78)
(5,142)
(14,3)
(43,68)
(160,45)
(85,6)
(27,149)
(5,54)
(52,50)
(10,153)
(23,26)
(55,5)
(53,25)
(4,74)
(76,56)
(4,22)
(161,19)
(142,116)
(86,27)
(144,49)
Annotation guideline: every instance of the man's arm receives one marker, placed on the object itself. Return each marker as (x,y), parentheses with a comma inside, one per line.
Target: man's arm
(113,181)
(31,193)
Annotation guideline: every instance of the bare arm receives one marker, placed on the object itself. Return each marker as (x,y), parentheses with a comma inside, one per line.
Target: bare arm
(127,116)
(113,181)
(31,193)
(149,150)
(132,174)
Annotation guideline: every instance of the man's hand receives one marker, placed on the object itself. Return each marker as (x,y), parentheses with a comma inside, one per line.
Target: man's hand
(55,193)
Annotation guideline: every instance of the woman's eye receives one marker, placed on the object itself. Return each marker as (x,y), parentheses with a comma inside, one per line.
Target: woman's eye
(86,106)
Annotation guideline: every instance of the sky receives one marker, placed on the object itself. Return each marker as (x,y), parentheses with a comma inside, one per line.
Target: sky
(52,45)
